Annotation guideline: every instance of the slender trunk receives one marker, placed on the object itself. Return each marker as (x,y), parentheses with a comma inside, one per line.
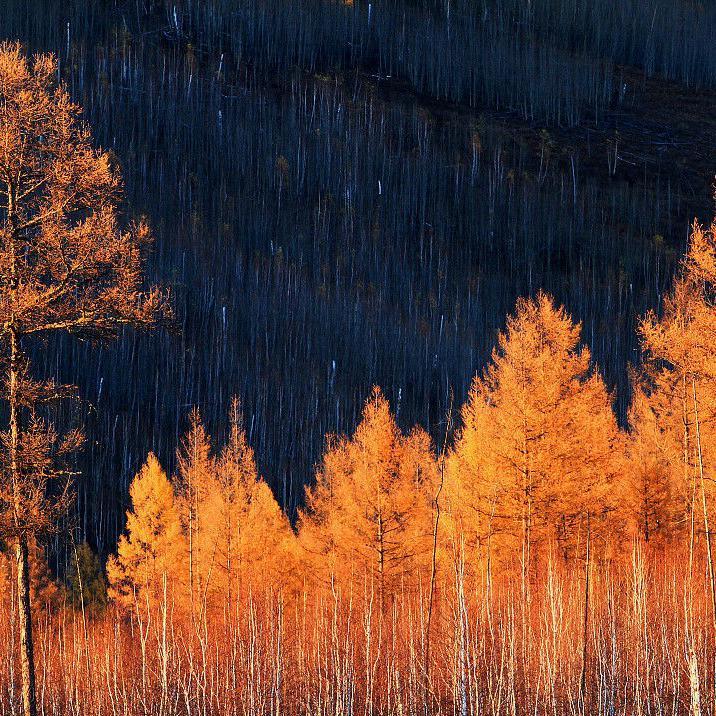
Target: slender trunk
(526,515)
(704,506)
(197,563)
(165,653)
(525,541)
(27,656)
(278,710)
(462,611)
(433,575)
(493,507)
(80,584)
(687,479)
(229,574)
(585,622)
(694,680)
(526,569)
(381,563)
(191,549)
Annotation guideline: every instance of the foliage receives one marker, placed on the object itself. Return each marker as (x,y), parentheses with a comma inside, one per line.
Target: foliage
(66,267)
(368,517)
(206,545)
(149,554)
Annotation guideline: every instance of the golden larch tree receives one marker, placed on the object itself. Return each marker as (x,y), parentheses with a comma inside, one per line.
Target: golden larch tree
(536,453)
(200,506)
(255,538)
(65,266)
(652,499)
(479,528)
(150,555)
(680,382)
(368,518)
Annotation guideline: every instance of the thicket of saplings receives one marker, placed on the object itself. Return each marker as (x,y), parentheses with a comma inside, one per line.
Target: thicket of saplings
(321,241)
(545,560)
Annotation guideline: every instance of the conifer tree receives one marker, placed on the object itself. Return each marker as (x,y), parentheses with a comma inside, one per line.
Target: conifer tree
(200,505)
(651,499)
(479,526)
(536,454)
(254,535)
(368,517)
(65,266)
(152,552)
(680,381)
(86,582)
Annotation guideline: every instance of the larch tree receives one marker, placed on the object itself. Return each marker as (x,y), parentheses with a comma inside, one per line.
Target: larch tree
(66,266)
(320,522)
(551,440)
(680,381)
(419,482)
(479,527)
(254,534)
(87,586)
(200,505)
(151,553)
(652,497)
(368,517)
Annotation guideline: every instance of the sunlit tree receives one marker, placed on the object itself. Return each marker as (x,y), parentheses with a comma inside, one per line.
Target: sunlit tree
(200,506)
(680,381)
(479,527)
(254,537)
(536,454)
(652,498)
(368,518)
(65,266)
(151,554)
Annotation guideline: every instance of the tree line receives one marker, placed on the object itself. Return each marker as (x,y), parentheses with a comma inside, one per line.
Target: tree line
(538,468)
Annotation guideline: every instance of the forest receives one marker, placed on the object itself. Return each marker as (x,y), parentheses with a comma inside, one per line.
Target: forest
(357,357)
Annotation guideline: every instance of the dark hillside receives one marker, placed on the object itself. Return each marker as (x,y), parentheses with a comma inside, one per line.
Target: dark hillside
(349,194)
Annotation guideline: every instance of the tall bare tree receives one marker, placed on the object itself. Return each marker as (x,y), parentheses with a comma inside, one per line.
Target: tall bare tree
(65,266)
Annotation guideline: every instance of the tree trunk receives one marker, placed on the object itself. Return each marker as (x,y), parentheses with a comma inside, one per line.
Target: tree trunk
(191,549)
(433,575)
(688,479)
(585,621)
(27,656)
(704,506)
(381,563)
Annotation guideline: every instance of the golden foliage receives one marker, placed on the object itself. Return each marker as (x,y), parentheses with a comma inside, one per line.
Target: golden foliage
(213,540)
(368,519)
(538,469)
(153,547)
(679,382)
(536,453)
